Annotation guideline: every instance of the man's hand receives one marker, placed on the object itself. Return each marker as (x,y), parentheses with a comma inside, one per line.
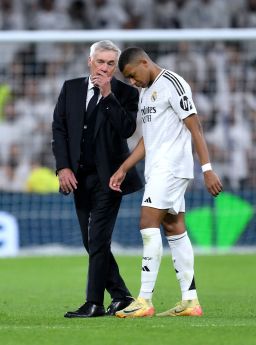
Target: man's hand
(117,179)
(212,183)
(102,81)
(67,180)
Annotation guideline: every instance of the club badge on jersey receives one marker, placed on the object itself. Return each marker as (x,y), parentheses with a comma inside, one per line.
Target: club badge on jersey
(154,96)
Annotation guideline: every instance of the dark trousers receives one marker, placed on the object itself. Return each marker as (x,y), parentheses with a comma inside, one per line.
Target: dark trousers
(97,212)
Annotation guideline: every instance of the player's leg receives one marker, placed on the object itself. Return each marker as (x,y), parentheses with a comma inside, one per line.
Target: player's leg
(183,262)
(151,219)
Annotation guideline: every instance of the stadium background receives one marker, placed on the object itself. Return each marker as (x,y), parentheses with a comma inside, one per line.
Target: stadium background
(41,47)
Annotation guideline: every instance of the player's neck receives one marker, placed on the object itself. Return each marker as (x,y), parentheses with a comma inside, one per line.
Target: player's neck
(154,73)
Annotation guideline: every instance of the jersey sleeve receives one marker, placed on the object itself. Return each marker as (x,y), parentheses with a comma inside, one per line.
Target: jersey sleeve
(181,97)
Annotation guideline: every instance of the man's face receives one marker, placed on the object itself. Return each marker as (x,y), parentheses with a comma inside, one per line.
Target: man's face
(137,73)
(103,61)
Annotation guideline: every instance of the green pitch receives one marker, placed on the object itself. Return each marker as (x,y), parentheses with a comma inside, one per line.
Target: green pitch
(36,292)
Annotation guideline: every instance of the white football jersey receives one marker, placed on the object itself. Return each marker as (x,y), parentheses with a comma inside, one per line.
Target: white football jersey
(163,106)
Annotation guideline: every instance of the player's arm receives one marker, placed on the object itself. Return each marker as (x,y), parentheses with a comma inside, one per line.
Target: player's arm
(137,154)
(212,181)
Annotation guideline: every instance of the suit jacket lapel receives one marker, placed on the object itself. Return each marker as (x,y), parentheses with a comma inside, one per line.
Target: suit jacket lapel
(81,93)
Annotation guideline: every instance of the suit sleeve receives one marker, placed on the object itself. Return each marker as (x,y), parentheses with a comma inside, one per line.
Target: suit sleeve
(59,132)
(122,111)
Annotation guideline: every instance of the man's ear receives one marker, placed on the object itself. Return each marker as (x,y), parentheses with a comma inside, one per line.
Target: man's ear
(144,62)
(89,61)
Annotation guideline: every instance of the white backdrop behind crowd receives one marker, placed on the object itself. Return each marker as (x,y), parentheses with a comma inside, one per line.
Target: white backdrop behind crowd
(218,64)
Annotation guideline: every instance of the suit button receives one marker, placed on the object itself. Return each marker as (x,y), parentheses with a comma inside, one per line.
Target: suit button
(85,127)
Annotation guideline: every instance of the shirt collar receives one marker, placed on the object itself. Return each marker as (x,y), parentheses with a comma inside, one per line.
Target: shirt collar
(90,84)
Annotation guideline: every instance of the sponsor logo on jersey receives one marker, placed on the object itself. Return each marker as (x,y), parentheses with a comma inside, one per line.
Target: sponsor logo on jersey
(154,96)
(148,110)
(185,103)
(146,113)
(146,118)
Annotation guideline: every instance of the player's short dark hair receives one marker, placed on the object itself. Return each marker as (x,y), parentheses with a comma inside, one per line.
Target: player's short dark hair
(129,55)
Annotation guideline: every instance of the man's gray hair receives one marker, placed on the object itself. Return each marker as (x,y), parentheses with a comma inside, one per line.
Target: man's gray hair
(104,45)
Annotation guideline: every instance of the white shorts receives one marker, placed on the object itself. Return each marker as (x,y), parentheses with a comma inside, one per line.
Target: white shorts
(165,192)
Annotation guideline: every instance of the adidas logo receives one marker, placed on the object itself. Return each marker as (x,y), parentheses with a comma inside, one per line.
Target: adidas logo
(145,268)
(148,200)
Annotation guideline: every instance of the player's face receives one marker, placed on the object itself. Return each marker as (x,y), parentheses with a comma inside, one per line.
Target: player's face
(138,74)
(103,61)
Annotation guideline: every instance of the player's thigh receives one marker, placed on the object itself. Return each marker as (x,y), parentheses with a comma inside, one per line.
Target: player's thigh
(165,191)
(151,217)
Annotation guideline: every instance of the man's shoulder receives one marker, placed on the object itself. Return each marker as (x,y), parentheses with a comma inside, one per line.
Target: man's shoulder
(173,77)
(174,82)
(119,84)
(75,81)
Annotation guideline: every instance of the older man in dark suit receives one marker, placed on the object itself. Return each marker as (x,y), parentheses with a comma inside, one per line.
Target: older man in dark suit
(92,120)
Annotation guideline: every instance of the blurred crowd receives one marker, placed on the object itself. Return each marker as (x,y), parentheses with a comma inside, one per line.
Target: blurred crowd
(222,76)
(125,14)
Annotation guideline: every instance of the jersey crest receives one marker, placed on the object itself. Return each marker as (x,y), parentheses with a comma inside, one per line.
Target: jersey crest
(154,96)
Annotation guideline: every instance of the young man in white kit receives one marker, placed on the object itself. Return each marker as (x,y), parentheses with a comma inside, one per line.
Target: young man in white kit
(169,121)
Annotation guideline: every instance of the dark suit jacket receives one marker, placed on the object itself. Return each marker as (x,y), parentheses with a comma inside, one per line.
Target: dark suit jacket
(116,121)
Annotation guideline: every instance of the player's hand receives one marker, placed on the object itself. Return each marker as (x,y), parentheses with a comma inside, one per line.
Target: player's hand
(67,180)
(212,183)
(116,180)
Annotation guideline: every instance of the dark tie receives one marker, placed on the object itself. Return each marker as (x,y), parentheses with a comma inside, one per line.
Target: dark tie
(93,102)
